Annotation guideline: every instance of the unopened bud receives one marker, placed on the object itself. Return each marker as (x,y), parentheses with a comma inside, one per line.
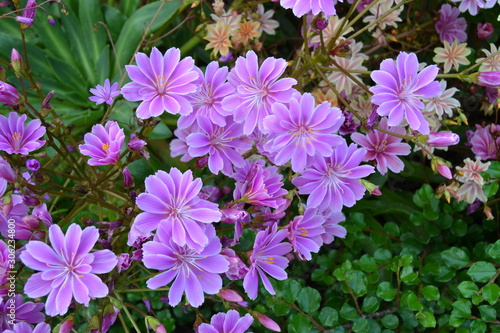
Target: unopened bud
(267,322)
(33,165)
(16,61)
(51,20)
(321,24)
(484,31)
(230,295)
(128,180)
(442,139)
(67,325)
(489,79)
(489,214)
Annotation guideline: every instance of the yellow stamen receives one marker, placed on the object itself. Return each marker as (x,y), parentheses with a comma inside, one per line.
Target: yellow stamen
(105,147)
(16,136)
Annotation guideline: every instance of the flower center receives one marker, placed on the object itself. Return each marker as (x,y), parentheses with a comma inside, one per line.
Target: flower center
(381,145)
(16,136)
(105,147)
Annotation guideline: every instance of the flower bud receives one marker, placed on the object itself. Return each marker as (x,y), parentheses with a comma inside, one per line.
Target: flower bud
(267,322)
(67,325)
(46,100)
(201,162)
(230,295)
(488,79)
(124,262)
(33,165)
(136,144)
(484,31)
(489,214)
(51,20)
(128,180)
(442,139)
(8,94)
(16,62)
(444,171)
(237,269)
(321,24)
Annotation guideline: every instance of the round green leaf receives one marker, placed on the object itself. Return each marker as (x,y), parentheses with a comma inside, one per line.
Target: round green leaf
(309,299)
(482,271)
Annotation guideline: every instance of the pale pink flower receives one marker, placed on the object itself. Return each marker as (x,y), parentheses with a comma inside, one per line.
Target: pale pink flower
(493,63)
(452,55)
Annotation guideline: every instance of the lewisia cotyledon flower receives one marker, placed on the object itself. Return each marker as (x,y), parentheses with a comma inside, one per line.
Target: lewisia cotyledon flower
(103,144)
(16,138)
(267,257)
(67,269)
(473,182)
(333,181)
(384,148)
(302,131)
(193,272)
(8,94)
(23,327)
(171,202)
(453,54)
(451,27)
(399,89)
(256,89)
(483,144)
(104,94)
(227,322)
(304,232)
(161,83)
(301,7)
(473,6)
(27,312)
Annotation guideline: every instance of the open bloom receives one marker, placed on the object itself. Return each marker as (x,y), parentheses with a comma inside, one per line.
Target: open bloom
(161,83)
(473,6)
(23,327)
(453,54)
(68,269)
(331,225)
(492,61)
(399,89)
(300,7)
(305,233)
(28,15)
(470,175)
(193,272)
(27,312)
(451,27)
(103,144)
(218,36)
(302,131)
(171,202)
(444,103)
(256,89)
(229,322)
(104,94)
(333,181)
(267,256)
(483,144)
(16,138)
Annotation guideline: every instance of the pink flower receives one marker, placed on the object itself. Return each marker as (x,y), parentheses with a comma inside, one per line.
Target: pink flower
(451,27)
(484,31)
(302,7)
(442,139)
(103,144)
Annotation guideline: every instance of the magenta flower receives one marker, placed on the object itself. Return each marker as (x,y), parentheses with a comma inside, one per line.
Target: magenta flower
(6,264)
(15,210)
(257,185)
(485,31)
(193,272)
(302,131)
(68,269)
(161,83)
(220,143)
(171,202)
(27,312)
(305,231)
(7,175)
(179,147)
(227,322)
(384,148)
(256,89)
(267,257)
(302,7)
(16,138)
(489,79)
(399,89)
(333,181)
(442,139)
(28,16)
(332,227)
(473,6)
(237,269)
(451,27)
(8,94)
(103,144)
(483,144)
(207,100)
(104,94)
(23,327)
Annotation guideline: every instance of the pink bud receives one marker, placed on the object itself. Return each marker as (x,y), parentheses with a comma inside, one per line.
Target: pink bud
(489,215)
(484,31)
(489,79)
(160,329)
(128,180)
(442,139)
(8,94)
(321,24)
(377,192)
(444,170)
(16,61)
(267,322)
(230,295)
(67,326)
(136,144)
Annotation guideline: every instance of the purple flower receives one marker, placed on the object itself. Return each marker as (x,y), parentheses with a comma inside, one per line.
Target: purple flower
(179,146)
(23,327)
(349,126)
(29,13)
(108,320)
(68,269)
(171,202)
(237,270)
(32,164)
(7,175)
(489,79)
(227,322)
(27,227)
(302,131)
(483,144)
(399,89)
(161,83)
(192,272)
(104,94)
(207,100)
(333,181)
(331,225)
(257,185)
(103,144)
(221,143)
(7,260)
(256,89)
(15,210)
(302,7)
(305,233)
(473,5)
(451,27)
(442,139)
(16,138)
(28,312)
(384,148)
(8,94)
(484,31)
(267,257)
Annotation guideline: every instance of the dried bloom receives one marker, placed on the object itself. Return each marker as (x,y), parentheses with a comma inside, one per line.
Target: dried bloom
(8,94)
(302,131)
(454,54)
(246,31)
(399,89)
(267,256)
(171,202)
(256,89)
(231,18)
(161,83)
(218,35)
(22,327)
(103,144)
(483,144)
(108,320)
(349,126)
(493,62)
(484,31)
(469,174)
(28,15)
(68,269)
(300,7)
(384,148)
(451,27)
(340,79)
(267,24)
(218,6)
(104,94)
(227,322)
(304,233)
(444,103)
(333,181)
(16,138)
(473,6)
(192,272)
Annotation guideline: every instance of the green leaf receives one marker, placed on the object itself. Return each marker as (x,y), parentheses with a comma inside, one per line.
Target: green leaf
(328,316)
(383,256)
(482,271)
(455,258)
(298,323)
(367,263)
(385,291)
(370,304)
(358,282)
(348,312)
(309,299)
(455,320)
(478,326)
(494,169)
(361,325)
(468,288)
(161,131)
(490,189)
(90,13)
(494,250)
(426,319)
(390,321)
(462,308)
(413,302)
(408,276)
(488,313)
(431,293)
(291,290)
(491,293)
